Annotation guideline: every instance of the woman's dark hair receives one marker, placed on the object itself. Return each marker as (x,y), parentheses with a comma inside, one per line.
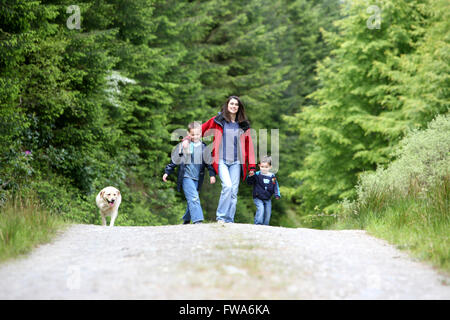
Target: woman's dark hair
(240,116)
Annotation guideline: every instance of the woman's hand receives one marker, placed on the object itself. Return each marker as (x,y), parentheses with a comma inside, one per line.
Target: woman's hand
(212,180)
(165,177)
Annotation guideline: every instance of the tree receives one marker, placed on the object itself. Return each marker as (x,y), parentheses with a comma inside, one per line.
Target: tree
(360,115)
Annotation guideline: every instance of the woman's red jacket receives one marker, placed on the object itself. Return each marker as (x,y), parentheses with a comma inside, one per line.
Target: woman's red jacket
(214,126)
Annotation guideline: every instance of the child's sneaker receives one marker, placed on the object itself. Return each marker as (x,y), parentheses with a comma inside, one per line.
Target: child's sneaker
(186,221)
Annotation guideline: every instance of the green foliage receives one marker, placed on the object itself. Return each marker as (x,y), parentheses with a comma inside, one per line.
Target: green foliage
(72,134)
(84,108)
(422,161)
(367,100)
(408,202)
(424,79)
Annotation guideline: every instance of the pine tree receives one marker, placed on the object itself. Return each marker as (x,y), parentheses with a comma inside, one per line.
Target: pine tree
(422,81)
(359,117)
(19,33)
(301,47)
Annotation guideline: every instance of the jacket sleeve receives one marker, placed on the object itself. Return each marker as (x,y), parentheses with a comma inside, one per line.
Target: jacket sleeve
(207,160)
(250,151)
(207,125)
(212,172)
(277,190)
(170,168)
(176,159)
(251,179)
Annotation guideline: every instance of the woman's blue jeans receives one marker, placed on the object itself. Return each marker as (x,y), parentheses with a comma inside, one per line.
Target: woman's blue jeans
(230,174)
(263,211)
(194,210)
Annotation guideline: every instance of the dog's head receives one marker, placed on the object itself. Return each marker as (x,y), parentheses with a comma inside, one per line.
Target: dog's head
(110,195)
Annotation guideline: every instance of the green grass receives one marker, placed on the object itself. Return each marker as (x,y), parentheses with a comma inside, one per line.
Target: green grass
(418,222)
(24,226)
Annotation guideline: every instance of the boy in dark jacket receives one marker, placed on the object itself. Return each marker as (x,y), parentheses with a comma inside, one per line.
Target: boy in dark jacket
(265,184)
(192,162)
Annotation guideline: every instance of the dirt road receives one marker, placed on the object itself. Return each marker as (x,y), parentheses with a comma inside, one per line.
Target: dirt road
(213,261)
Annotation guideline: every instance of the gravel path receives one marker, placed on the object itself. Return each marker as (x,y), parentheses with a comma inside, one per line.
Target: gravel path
(213,261)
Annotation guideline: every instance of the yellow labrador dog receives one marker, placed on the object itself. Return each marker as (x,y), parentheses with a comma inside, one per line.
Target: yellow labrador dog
(108,201)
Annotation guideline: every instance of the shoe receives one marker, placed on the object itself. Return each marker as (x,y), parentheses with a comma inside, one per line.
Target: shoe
(197,222)
(221,221)
(186,222)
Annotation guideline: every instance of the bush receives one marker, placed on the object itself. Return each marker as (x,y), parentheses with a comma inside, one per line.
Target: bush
(422,161)
(407,202)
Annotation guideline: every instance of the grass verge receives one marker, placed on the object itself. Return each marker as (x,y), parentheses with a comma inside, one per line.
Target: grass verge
(418,222)
(408,202)
(24,225)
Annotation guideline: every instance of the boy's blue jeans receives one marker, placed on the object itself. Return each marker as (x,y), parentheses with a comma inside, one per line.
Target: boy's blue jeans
(194,210)
(229,173)
(263,211)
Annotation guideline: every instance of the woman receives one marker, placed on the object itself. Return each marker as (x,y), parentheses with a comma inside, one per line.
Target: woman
(232,155)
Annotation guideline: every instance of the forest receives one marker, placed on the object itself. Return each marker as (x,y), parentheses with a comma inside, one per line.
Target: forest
(96,93)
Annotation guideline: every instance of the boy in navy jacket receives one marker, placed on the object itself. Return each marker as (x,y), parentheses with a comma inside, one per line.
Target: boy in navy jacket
(192,162)
(265,185)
